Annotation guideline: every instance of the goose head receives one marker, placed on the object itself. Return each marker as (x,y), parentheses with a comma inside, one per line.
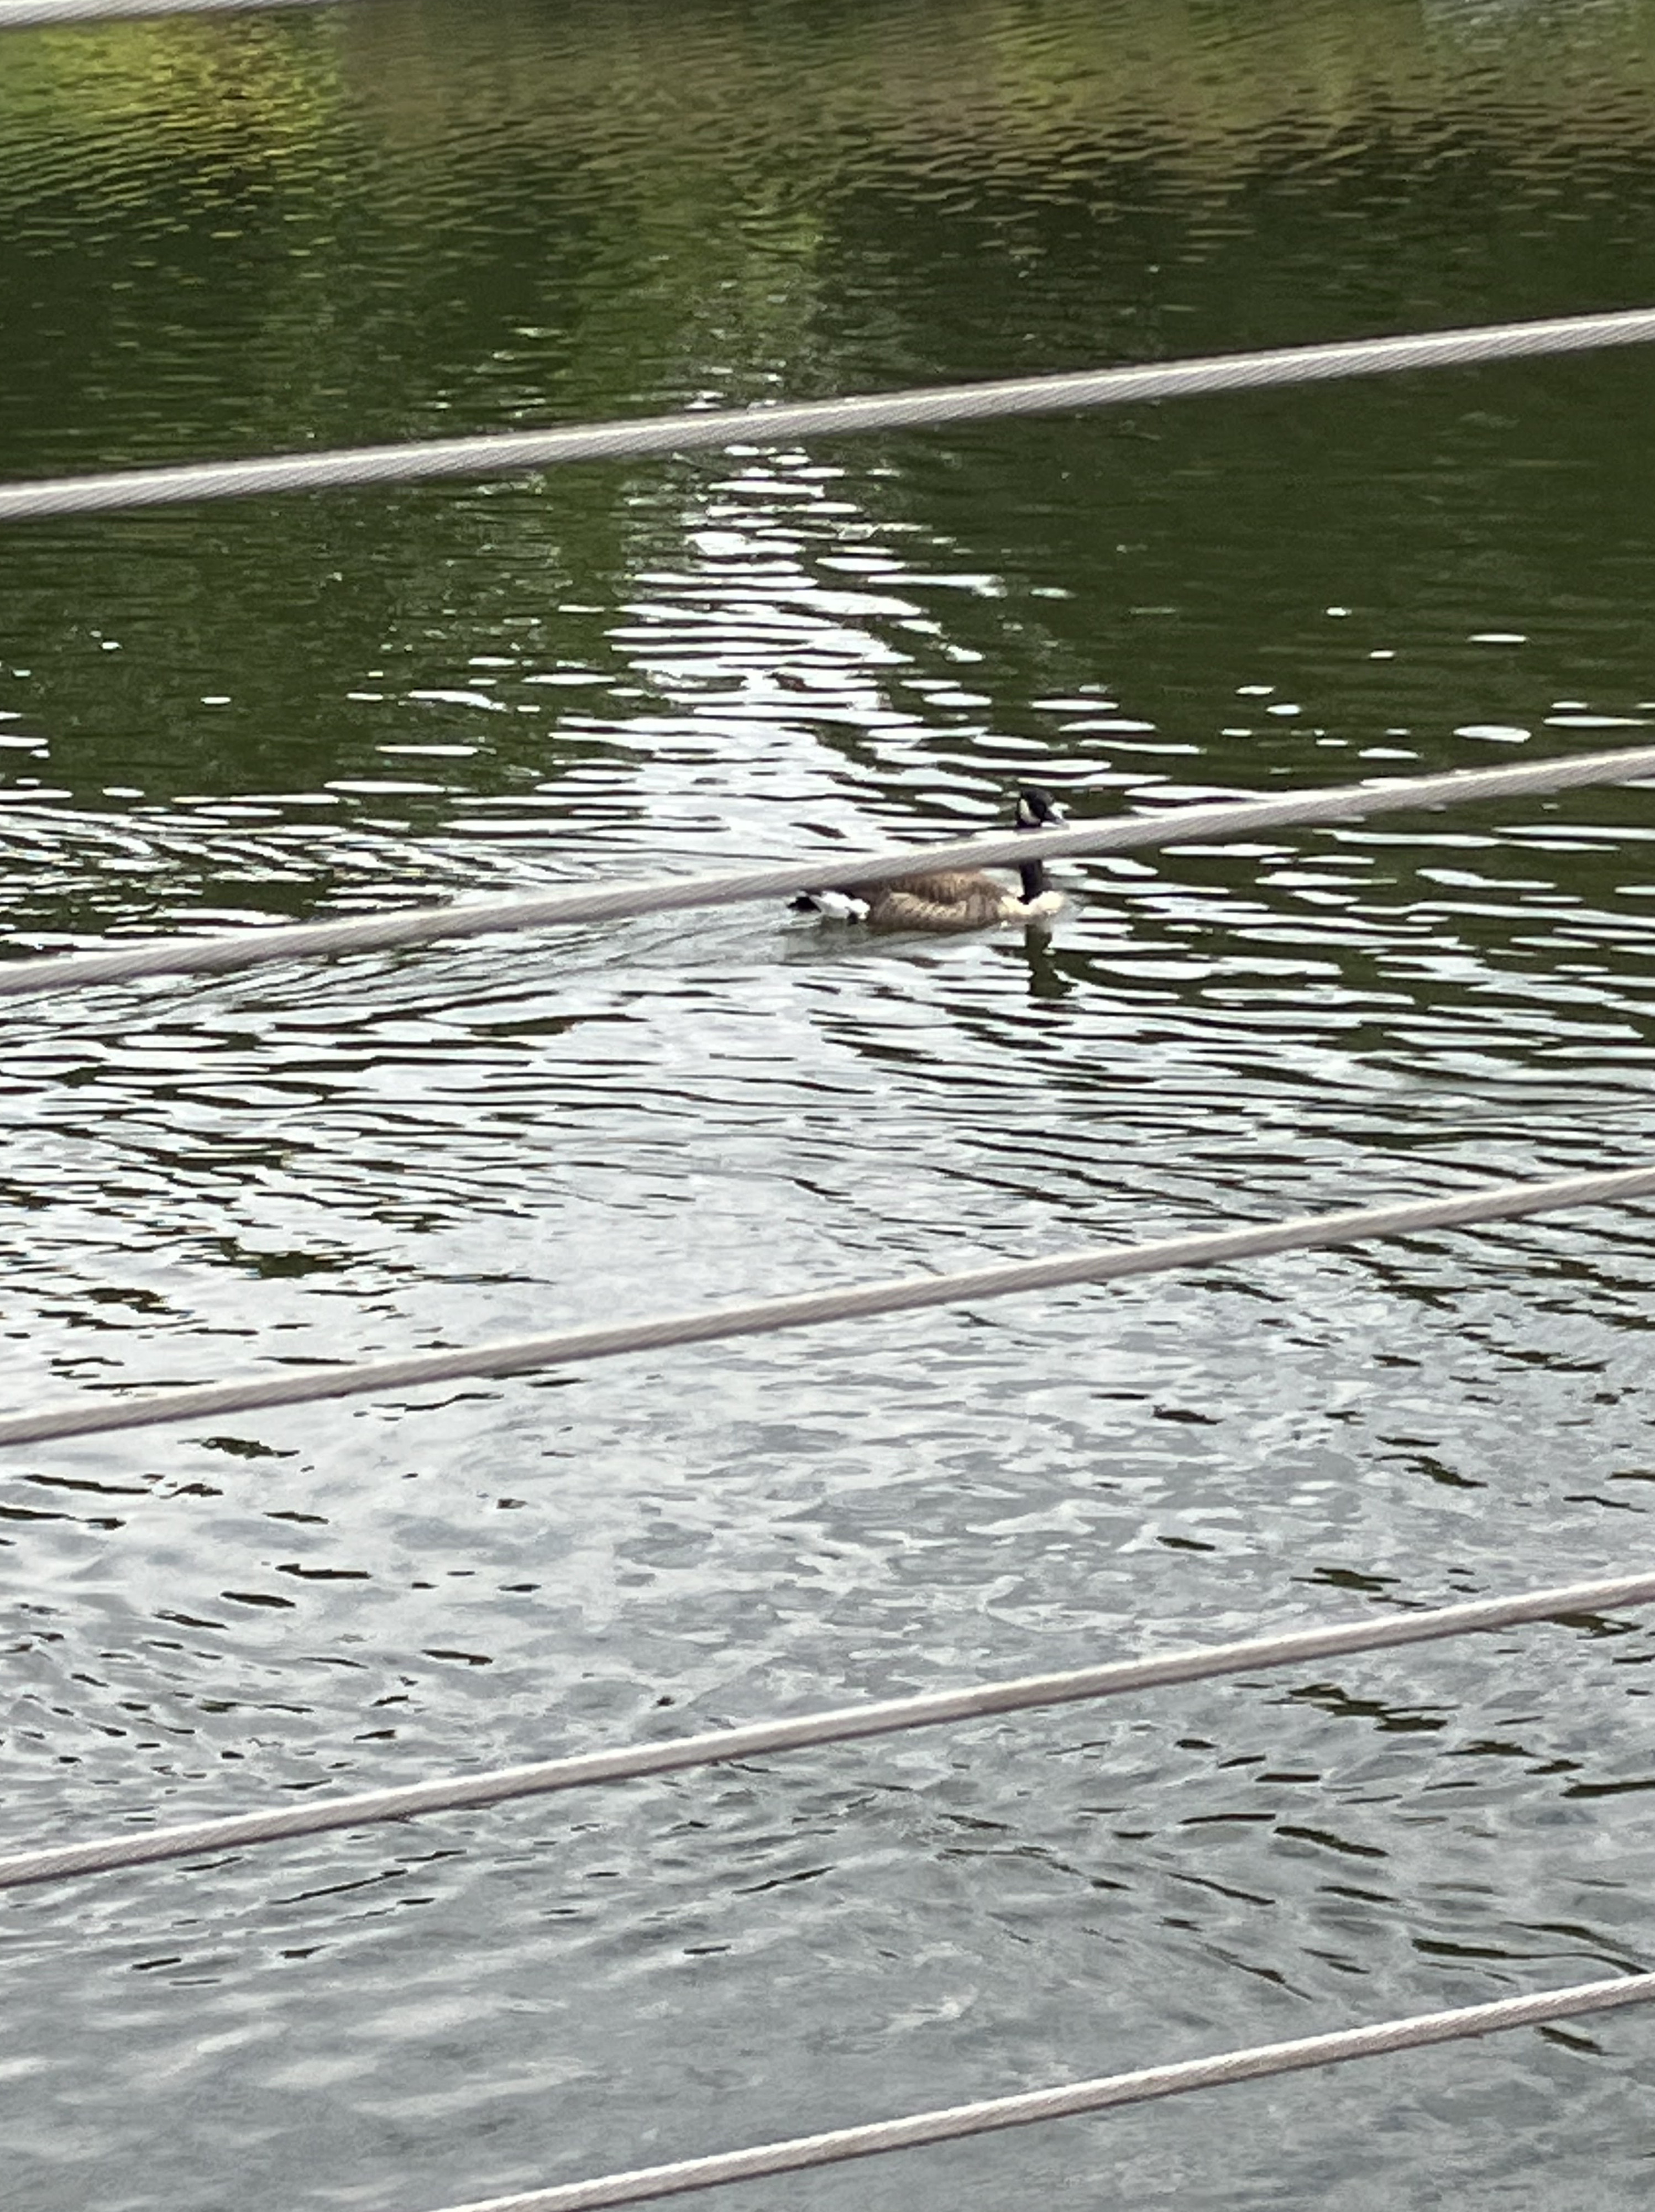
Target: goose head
(1037,809)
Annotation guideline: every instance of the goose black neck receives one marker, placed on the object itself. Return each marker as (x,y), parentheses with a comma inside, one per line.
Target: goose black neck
(1033,873)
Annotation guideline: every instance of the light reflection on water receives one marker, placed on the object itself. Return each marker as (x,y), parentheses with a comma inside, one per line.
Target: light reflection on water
(316,707)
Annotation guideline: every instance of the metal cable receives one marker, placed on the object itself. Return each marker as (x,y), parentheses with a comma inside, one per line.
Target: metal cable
(1177,825)
(36,15)
(995,2114)
(848,1724)
(92,1416)
(511,452)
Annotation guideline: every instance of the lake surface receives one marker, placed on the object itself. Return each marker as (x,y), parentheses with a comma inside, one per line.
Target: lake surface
(399,221)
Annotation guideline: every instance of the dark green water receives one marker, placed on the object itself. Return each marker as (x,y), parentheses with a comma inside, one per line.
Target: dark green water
(393,220)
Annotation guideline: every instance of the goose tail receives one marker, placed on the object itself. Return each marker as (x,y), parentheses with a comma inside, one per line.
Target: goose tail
(837,906)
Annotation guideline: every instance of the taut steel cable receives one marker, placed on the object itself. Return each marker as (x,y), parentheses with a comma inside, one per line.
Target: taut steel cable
(1179,825)
(935,1709)
(1105,1263)
(517,452)
(67,15)
(646,2183)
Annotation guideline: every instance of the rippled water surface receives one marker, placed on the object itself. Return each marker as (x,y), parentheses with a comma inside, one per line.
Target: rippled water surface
(395,220)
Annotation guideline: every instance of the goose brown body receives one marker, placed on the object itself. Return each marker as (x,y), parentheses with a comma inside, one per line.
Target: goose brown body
(952,898)
(965,899)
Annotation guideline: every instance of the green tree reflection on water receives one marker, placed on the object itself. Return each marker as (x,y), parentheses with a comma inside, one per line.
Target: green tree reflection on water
(389,223)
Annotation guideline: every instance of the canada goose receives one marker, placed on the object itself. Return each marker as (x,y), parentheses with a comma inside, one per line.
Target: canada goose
(951,898)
